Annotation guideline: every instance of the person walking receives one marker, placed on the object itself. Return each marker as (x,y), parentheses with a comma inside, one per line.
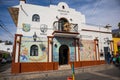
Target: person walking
(108,57)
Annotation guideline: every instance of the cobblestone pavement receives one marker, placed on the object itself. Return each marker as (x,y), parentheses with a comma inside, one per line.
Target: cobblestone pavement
(101,72)
(110,74)
(4,67)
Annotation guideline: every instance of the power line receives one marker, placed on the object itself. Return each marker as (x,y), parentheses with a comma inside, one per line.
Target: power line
(96,7)
(50,1)
(9,37)
(5,28)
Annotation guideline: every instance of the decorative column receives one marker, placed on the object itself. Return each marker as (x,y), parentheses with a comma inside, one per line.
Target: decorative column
(75,47)
(17,46)
(78,49)
(111,46)
(50,52)
(97,55)
(16,67)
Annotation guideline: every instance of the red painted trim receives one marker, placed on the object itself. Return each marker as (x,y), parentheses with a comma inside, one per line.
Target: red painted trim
(45,66)
(19,50)
(64,32)
(14,50)
(98,50)
(95,49)
(16,66)
(50,36)
(78,49)
(18,35)
(52,51)
(48,50)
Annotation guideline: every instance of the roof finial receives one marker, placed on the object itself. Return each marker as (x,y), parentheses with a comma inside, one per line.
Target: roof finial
(23,1)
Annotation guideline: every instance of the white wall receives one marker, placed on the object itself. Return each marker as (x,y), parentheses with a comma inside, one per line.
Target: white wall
(4,47)
(48,16)
(100,32)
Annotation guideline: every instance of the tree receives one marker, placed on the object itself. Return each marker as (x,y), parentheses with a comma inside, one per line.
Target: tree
(8,42)
(0,41)
(119,25)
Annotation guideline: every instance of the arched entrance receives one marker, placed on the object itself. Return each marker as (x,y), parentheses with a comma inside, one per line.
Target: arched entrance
(61,23)
(63,54)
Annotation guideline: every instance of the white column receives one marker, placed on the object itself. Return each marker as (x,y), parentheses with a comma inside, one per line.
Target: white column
(16,53)
(77,59)
(50,50)
(17,50)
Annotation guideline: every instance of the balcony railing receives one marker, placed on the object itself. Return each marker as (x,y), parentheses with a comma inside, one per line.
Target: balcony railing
(65,27)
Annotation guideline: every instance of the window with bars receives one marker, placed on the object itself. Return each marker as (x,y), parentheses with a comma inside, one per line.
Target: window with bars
(36,18)
(34,50)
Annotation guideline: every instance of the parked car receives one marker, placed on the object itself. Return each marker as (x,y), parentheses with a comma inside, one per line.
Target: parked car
(3,60)
(9,59)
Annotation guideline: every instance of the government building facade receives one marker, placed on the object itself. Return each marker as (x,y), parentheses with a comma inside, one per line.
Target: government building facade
(54,37)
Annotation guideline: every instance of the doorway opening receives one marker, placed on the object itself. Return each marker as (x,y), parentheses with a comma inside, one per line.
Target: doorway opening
(63,55)
(61,23)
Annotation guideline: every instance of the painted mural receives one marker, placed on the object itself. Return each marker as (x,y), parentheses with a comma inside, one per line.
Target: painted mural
(58,41)
(87,50)
(33,51)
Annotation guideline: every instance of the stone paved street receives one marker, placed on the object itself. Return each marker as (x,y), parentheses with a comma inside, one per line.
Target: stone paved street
(101,72)
(110,74)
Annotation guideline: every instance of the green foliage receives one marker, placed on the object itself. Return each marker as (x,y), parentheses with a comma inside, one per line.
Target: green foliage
(119,25)
(5,55)
(0,41)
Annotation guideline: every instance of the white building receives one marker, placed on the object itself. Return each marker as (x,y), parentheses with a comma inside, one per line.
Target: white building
(7,48)
(54,36)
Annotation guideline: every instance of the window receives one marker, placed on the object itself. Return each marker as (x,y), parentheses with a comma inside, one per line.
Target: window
(36,18)
(118,48)
(34,50)
(63,7)
(61,23)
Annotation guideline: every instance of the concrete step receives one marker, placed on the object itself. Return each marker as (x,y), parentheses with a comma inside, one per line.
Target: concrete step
(64,67)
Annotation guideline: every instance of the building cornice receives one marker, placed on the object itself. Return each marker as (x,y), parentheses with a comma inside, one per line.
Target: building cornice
(96,31)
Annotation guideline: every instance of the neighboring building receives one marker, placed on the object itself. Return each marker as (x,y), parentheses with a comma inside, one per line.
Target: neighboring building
(116,45)
(50,37)
(116,40)
(116,33)
(5,49)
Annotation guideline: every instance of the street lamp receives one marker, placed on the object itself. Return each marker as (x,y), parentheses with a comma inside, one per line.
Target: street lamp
(34,36)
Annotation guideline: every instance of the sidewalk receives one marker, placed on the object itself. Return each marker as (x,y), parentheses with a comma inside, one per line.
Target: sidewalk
(6,75)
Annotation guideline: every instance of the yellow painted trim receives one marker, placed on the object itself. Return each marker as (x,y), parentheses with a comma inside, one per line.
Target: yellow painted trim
(115,40)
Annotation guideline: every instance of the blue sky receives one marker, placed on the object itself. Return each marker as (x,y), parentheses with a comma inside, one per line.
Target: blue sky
(97,12)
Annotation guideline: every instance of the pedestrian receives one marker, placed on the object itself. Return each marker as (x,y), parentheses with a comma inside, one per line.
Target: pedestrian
(112,56)
(114,59)
(108,57)
(119,59)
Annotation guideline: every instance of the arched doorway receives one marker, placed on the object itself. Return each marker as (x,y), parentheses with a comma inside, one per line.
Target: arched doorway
(61,23)
(63,54)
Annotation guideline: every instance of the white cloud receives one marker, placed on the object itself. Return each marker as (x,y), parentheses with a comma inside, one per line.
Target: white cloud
(102,12)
